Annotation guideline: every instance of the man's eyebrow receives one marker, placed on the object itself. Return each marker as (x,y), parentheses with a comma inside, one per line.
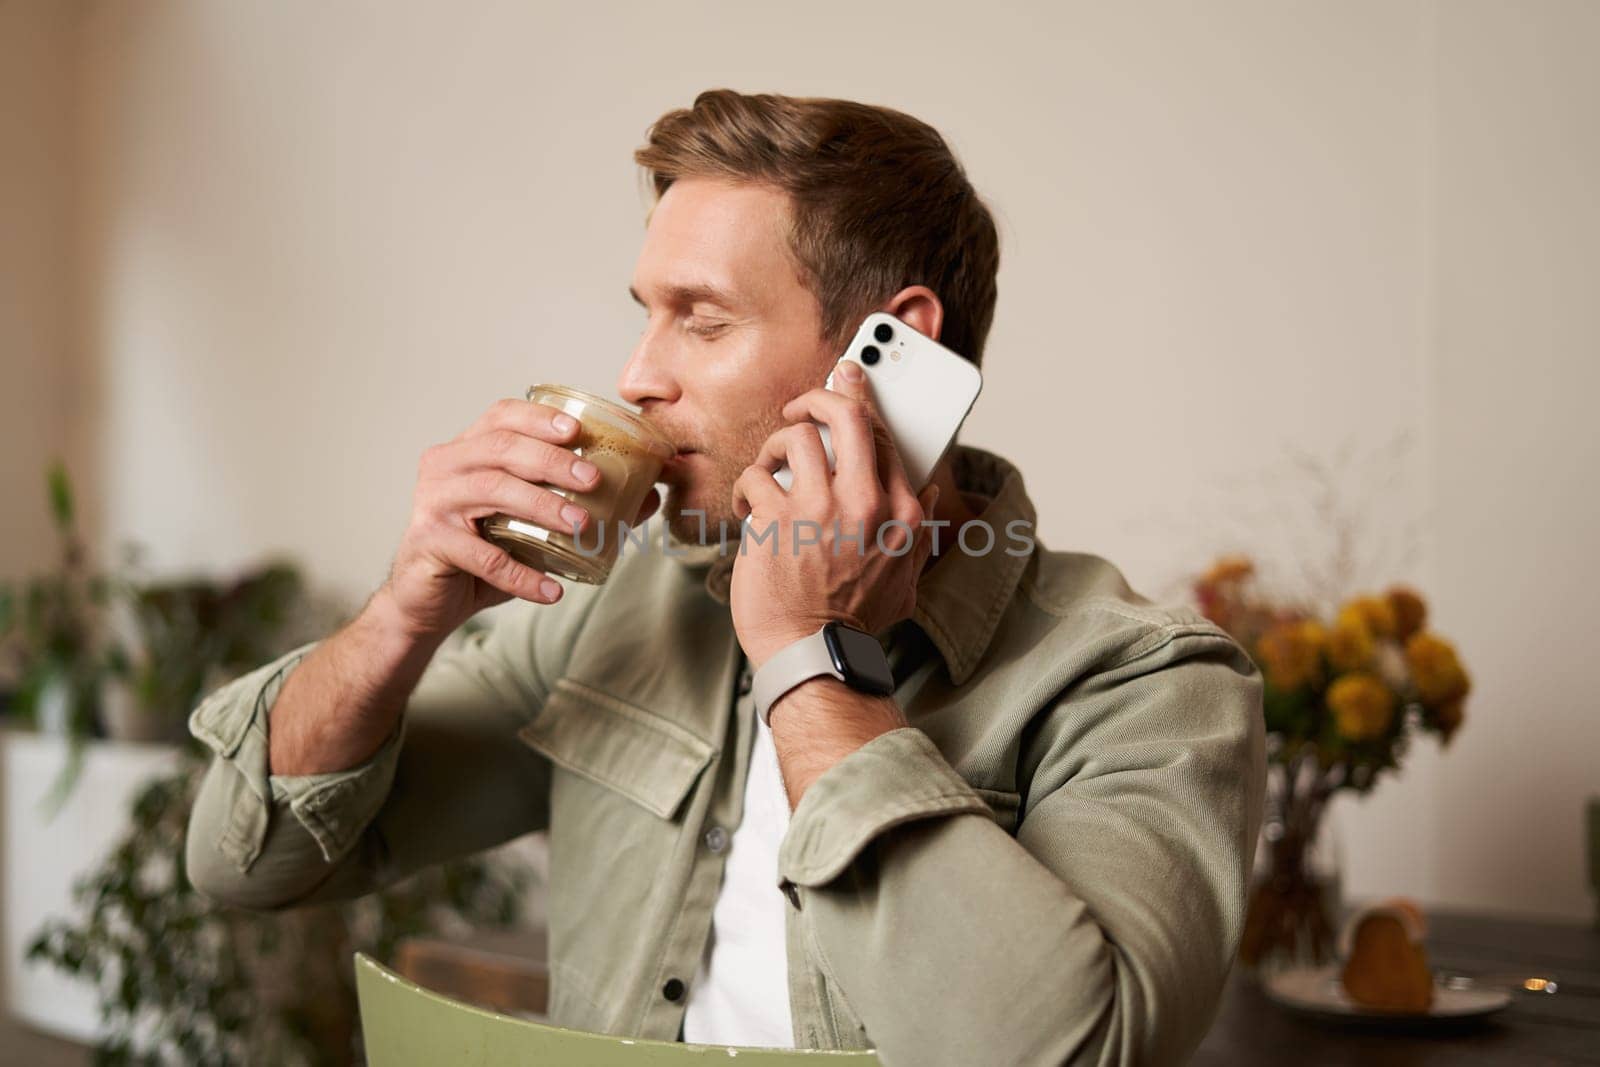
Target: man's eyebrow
(684,295)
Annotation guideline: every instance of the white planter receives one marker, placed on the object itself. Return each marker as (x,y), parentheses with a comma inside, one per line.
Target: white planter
(54,707)
(43,859)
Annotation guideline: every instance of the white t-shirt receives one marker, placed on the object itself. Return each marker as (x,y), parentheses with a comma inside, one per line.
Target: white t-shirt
(741,994)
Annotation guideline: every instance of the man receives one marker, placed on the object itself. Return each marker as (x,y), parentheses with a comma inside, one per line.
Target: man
(1033,852)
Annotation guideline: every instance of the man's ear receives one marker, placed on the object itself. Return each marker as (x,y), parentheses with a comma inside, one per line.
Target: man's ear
(919,308)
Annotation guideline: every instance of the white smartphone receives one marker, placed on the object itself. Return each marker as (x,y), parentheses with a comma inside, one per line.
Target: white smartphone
(922,389)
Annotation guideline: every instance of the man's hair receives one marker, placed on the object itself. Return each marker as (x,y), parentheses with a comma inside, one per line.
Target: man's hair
(878,201)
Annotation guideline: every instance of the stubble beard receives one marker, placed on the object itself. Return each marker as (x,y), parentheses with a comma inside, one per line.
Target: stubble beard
(702,512)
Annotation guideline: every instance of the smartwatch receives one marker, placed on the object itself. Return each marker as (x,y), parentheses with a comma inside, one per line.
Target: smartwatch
(836,651)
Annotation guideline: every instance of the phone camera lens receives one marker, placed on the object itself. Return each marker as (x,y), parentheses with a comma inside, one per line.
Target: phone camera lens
(870,354)
(883,332)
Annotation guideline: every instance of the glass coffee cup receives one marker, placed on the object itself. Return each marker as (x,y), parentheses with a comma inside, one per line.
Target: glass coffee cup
(629,453)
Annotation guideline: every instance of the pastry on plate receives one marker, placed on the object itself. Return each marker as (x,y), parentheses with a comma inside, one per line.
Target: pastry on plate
(1385,963)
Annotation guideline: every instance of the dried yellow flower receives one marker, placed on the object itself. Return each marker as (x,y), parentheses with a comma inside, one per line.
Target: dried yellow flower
(1448,716)
(1350,645)
(1436,670)
(1314,634)
(1410,612)
(1230,569)
(1291,653)
(1375,611)
(1362,706)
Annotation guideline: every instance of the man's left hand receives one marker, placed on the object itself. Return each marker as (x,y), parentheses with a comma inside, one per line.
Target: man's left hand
(849,542)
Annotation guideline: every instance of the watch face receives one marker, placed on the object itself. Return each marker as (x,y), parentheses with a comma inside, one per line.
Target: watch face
(859,659)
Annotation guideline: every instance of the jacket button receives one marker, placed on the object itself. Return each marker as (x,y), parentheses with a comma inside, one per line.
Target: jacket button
(673,990)
(716,839)
(746,681)
(792,893)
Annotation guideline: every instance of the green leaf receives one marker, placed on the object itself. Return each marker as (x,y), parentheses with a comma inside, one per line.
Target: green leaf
(60,493)
(1288,713)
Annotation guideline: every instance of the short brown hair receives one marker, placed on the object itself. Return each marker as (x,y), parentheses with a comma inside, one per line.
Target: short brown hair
(879,201)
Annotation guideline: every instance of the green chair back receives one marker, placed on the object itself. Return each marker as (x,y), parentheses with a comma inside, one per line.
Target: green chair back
(405,1025)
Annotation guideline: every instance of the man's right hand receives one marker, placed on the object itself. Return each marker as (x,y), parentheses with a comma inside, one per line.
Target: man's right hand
(444,571)
(338,706)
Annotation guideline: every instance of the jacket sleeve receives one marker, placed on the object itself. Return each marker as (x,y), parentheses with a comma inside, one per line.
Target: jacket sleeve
(452,779)
(1103,931)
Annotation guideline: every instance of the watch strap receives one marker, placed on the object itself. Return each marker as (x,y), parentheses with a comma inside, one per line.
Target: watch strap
(800,661)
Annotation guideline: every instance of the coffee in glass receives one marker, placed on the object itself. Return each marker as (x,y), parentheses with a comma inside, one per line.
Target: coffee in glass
(629,453)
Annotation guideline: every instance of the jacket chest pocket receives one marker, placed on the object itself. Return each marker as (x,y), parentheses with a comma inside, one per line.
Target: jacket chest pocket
(617,840)
(625,748)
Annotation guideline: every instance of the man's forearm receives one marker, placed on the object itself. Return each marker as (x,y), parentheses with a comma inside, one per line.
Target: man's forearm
(821,721)
(344,699)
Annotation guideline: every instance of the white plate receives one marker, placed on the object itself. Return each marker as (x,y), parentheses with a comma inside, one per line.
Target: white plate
(1317,990)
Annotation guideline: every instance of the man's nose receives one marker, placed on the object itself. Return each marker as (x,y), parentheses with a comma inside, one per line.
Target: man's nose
(647,376)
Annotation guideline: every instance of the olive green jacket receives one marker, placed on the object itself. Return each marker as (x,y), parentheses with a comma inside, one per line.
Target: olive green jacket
(1048,865)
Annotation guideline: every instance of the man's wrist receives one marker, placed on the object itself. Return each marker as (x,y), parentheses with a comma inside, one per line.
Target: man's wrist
(386,623)
(837,649)
(825,697)
(761,653)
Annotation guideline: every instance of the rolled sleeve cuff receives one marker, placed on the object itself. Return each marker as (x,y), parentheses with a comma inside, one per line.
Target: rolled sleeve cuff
(895,778)
(334,808)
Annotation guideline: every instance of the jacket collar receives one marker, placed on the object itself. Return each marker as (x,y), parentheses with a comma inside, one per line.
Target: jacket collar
(961,598)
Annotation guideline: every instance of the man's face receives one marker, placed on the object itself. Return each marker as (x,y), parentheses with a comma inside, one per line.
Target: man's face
(731,335)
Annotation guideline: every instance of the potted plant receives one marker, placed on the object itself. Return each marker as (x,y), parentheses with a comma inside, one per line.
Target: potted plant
(51,637)
(181,979)
(181,638)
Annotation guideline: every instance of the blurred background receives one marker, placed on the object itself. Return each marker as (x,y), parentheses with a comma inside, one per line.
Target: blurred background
(1325,272)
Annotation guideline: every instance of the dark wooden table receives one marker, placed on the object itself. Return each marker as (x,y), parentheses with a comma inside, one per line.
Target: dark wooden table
(1538,1028)
(505,972)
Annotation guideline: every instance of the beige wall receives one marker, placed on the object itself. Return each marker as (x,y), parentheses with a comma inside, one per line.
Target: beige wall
(36,380)
(1512,366)
(318,238)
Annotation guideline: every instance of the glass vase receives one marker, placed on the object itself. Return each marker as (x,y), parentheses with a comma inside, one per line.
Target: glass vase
(1294,901)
